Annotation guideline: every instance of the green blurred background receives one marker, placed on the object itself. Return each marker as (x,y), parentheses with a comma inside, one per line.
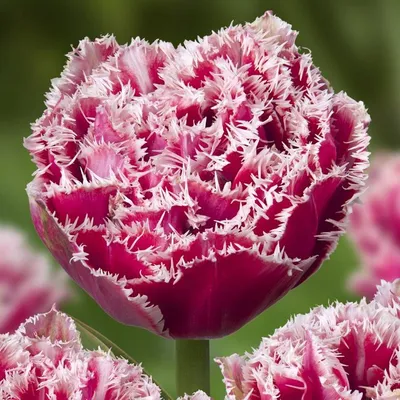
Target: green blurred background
(354,42)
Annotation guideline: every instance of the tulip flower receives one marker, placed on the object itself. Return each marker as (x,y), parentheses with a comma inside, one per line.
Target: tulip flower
(343,352)
(44,359)
(188,189)
(27,283)
(375,227)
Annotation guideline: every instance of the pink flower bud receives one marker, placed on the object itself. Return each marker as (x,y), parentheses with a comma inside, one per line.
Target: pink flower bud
(343,352)
(199,395)
(27,283)
(188,189)
(375,227)
(44,359)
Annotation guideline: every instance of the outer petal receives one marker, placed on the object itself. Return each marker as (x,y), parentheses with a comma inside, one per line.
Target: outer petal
(226,297)
(112,294)
(54,326)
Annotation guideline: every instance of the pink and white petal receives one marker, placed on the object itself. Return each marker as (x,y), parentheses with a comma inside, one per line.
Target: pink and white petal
(12,354)
(199,395)
(232,371)
(139,64)
(55,326)
(82,61)
(388,295)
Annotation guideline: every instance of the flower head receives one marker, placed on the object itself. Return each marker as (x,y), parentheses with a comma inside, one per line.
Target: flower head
(44,359)
(189,189)
(27,284)
(375,226)
(343,352)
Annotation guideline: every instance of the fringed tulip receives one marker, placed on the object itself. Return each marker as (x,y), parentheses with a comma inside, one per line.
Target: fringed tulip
(44,359)
(375,227)
(27,283)
(342,352)
(188,189)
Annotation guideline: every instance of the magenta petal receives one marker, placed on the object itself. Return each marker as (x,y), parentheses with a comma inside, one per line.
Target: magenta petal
(342,128)
(113,258)
(364,358)
(85,112)
(106,289)
(327,153)
(213,205)
(225,298)
(302,222)
(234,164)
(290,388)
(306,218)
(300,75)
(173,220)
(82,203)
(333,209)
(273,132)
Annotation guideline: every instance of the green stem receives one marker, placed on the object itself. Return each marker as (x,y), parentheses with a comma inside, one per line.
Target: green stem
(192,366)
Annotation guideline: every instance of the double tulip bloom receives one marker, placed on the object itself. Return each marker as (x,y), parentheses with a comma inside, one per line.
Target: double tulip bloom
(188,189)
(375,226)
(344,352)
(44,359)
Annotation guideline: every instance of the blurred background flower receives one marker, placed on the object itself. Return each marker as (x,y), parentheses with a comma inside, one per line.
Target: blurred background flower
(374,226)
(355,44)
(28,285)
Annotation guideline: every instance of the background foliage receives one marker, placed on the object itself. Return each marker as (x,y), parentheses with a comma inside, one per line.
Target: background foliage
(355,43)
